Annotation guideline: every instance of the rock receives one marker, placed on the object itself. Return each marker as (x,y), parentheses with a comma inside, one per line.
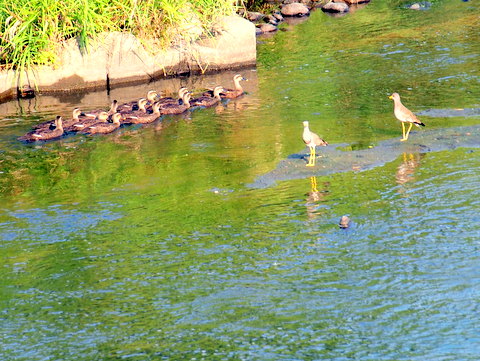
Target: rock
(278,15)
(425,5)
(295,9)
(354,2)
(254,16)
(268,28)
(271,19)
(335,7)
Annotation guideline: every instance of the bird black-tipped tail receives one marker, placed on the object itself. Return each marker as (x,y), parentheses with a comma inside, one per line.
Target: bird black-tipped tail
(418,124)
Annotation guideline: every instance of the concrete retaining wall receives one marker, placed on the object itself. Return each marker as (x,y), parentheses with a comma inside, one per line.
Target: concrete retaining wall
(120,58)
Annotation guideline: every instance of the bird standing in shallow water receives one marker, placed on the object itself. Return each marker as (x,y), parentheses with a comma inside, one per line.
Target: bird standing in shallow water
(403,114)
(312,140)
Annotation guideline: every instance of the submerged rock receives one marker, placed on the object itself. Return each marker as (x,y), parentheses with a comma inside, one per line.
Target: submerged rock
(424,5)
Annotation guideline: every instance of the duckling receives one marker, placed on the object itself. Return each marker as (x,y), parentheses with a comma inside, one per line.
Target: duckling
(206,101)
(169,100)
(45,134)
(231,93)
(101,117)
(176,108)
(104,128)
(76,113)
(144,118)
(94,113)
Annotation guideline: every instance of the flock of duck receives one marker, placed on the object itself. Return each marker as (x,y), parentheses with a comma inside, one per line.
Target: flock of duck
(143,111)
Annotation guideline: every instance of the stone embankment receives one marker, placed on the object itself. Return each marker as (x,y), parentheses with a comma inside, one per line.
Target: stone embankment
(267,23)
(120,58)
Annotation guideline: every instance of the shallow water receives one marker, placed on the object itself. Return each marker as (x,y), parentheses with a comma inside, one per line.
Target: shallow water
(151,244)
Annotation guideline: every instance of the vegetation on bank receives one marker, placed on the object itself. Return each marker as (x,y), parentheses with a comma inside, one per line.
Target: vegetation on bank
(30,31)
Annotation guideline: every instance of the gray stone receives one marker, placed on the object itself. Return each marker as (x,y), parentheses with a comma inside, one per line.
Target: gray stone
(295,9)
(120,58)
(335,7)
(254,16)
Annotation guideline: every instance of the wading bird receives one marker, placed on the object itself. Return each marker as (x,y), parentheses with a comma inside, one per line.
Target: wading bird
(312,140)
(403,114)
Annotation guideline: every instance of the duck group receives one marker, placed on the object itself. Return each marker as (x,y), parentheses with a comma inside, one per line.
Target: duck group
(142,111)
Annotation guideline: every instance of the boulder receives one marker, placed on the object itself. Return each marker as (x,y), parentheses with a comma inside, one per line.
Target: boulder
(254,16)
(354,2)
(268,28)
(295,9)
(335,7)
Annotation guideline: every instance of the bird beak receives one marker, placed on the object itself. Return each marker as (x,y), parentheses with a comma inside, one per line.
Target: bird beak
(390,97)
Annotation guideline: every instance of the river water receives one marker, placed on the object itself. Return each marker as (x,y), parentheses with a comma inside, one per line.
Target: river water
(154,242)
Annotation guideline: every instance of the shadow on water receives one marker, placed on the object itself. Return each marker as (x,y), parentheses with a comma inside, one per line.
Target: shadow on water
(334,159)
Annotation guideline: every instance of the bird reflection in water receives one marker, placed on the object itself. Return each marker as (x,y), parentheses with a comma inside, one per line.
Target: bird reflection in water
(406,170)
(314,197)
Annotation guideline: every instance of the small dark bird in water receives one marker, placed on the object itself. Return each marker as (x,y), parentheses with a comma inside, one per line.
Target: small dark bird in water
(403,114)
(311,140)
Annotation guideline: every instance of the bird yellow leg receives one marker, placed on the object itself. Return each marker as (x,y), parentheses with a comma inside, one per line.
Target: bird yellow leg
(313,184)
(403,131)
(311,160)
(408,131)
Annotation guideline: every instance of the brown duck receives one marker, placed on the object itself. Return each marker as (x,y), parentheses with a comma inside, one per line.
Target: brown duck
(84,123)
(132,106)
(176,108)
(231,93)
(169,100)
(76,113)
(104,127)
(92,114)
(143,118)
(45,134)
(207,101)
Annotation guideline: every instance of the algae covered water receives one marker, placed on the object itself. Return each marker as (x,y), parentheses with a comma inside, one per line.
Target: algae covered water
(156,242)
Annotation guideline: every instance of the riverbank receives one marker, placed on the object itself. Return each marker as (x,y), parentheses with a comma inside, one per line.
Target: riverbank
(116,59)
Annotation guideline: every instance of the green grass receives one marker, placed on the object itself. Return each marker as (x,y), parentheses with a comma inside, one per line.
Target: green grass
(30,31)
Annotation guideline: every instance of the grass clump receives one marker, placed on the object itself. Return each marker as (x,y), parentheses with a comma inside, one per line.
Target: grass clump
(30,31)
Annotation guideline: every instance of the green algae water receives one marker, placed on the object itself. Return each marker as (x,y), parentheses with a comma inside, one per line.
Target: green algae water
(165,242)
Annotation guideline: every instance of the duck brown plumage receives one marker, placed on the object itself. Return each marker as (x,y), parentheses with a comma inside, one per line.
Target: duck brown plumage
(176,108)
(104,127)
(132,106)
(170,100)
(231,93)
(92,114)
(207,101)
(143,118)
(45,134)
(84,123)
